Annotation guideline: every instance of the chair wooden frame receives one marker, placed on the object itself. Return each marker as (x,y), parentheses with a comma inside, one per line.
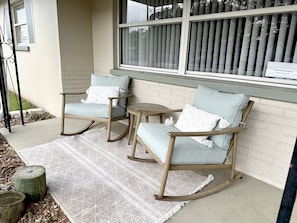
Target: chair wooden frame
(109,120)
(167,166)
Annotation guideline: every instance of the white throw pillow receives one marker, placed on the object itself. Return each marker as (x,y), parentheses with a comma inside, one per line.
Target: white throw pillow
(100,94)
(193,119)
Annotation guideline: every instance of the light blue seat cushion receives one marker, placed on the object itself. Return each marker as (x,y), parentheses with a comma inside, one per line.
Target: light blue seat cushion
(121,81)
(186,150)
(93,110)
(227,105)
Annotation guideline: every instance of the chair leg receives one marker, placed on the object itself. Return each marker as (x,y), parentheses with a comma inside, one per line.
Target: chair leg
(163,184)
(63,115)
(108,130)
(62,124)
(124,132)
(131,122)
(118,137)
(166,168)
(132,155)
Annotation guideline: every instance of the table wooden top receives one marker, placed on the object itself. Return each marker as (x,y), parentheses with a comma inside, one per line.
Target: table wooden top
(133,109)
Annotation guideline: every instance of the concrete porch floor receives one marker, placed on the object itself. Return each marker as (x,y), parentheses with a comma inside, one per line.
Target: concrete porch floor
(248,200)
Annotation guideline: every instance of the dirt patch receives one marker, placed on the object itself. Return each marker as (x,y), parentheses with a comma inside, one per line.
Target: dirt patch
(46,210)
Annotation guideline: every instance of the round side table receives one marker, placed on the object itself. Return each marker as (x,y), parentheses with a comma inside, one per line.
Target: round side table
(150,110)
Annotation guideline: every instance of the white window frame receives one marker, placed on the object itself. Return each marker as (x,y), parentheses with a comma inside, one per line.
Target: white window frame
(185,20)
(27,6)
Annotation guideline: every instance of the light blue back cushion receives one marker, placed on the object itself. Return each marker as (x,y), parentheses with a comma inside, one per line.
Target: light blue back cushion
(121,81)
(227,105)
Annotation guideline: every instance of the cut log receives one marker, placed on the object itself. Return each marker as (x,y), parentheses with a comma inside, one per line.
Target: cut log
(12,206)
(31,181)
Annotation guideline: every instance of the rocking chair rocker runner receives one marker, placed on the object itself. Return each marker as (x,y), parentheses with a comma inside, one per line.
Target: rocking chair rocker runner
(106,102)
(178,148)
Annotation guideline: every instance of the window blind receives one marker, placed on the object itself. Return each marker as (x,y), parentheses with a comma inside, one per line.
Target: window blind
(243,45)
(240,44)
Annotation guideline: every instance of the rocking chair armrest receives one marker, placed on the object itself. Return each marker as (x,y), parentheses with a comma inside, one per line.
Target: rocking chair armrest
(127,95)
(208,133)
(72,93)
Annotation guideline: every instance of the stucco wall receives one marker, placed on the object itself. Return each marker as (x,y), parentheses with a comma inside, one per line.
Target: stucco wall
(76,46)
(103,31)
(39,69)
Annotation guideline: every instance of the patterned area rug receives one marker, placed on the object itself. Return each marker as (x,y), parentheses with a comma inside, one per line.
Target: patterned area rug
(93,181)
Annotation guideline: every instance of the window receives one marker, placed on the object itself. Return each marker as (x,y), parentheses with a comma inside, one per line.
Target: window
(22,22)
(208,37)
(156,43)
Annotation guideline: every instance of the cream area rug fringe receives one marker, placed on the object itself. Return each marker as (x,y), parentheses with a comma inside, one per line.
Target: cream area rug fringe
(93,181)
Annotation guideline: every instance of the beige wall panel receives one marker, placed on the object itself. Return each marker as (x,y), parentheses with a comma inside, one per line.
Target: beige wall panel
(39,69)
(75,33)
(76,46)
(103,35)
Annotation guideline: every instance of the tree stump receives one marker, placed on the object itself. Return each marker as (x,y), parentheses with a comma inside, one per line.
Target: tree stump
(12,206)
(31,181)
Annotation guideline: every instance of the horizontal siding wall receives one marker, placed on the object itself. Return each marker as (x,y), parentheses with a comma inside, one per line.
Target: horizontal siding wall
(265,149)
(76,81)
(169,95)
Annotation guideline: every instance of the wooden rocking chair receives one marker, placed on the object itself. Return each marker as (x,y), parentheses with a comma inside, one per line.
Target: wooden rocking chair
(106,102)
(174,149)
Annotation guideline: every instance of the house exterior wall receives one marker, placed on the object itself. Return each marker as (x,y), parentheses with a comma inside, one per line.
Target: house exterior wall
(103,34)
(79,38)
(39,68)
(61,59)
(76,46)
(265,149)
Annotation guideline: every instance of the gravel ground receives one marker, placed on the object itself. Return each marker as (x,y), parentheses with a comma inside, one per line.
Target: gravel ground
(46,210)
